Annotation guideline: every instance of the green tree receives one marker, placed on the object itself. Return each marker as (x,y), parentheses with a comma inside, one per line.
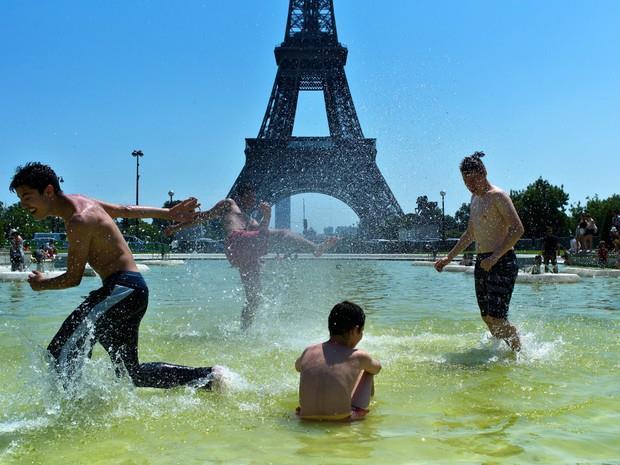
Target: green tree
(428,212)
(408,221)
(540,205)
(462,217)
(4,227)
(452,227)
(15,217)
(143,230)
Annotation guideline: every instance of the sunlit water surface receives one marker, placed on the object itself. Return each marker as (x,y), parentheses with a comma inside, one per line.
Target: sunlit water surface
(447,394)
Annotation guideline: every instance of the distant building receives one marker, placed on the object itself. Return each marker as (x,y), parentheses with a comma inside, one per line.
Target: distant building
(310,234)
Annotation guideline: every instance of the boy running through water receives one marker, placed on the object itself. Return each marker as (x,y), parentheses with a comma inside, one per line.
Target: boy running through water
(110,315)
(336,379)
(496,227)
(247,240)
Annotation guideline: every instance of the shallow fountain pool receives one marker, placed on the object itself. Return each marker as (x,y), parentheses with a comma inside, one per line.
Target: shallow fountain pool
(447,393)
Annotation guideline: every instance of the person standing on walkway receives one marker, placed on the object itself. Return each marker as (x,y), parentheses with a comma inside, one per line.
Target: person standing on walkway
(16,252)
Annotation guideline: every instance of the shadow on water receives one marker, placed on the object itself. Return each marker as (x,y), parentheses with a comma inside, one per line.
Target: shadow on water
(477,357)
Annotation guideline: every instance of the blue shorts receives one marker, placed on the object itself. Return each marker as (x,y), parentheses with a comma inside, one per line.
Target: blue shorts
(494,288)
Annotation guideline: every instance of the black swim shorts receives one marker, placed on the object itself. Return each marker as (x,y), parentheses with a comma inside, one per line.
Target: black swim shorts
(111,315)
(494,288)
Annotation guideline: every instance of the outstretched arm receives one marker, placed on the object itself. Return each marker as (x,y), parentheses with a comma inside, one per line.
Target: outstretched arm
(181,212)
(218,210)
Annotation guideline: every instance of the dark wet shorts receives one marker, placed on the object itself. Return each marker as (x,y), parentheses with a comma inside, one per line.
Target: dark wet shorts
(494,288)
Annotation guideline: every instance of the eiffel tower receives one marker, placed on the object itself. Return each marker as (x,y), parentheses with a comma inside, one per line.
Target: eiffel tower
(341,165)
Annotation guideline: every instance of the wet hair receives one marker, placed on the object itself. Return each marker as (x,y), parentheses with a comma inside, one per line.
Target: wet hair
(473,164)
(35,175)
(344,317)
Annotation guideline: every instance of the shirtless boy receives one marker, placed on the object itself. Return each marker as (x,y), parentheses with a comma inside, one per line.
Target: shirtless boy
(247,240)
(496,227)
(110,315)
(336,379)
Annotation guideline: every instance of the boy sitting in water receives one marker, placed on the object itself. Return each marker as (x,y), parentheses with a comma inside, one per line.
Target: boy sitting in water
(336,381)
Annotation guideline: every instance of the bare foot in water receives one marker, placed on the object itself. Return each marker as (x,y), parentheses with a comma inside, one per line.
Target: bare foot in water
(326,245)
(219,379)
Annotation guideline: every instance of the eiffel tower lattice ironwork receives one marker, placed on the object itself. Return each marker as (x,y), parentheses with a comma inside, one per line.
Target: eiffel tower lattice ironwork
(341,165)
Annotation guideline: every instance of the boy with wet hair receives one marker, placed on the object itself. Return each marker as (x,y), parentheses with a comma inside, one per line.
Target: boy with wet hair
(336,379)
(110,315)
(496,227)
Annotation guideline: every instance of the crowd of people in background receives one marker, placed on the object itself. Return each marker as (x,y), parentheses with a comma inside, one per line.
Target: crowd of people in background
(22,257)
(19,251)
(586,230)
(580,245)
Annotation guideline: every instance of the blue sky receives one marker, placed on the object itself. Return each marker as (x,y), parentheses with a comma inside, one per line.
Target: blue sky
(532,83)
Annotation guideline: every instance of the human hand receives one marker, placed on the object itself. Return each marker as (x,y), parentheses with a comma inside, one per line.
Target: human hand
(265,210)
(488,263)
(264,207)
(185,211)
(35,279)
(439,264)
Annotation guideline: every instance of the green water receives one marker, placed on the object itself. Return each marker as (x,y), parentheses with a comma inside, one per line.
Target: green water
(447,394)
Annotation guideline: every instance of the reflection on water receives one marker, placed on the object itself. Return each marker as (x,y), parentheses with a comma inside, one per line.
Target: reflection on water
(448,392)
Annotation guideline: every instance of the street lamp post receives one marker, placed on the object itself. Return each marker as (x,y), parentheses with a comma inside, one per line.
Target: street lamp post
(170,193)
(137,154)
(443,217)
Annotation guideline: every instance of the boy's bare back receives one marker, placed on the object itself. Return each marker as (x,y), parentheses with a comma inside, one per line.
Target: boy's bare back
(329,375)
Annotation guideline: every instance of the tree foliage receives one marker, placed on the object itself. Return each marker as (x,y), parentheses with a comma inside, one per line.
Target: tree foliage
(539,205)
(462,217)
(15,217)
(428,212)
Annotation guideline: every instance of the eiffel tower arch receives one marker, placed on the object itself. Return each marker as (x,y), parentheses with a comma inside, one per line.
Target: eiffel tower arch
(342,165)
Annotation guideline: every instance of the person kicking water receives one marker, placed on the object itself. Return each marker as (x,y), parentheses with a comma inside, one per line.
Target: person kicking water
(247,240)
(496,227)
(110,315)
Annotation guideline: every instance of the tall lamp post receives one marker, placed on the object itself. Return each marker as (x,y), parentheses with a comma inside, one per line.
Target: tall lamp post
(443,217)
(170,194)
(137,154)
